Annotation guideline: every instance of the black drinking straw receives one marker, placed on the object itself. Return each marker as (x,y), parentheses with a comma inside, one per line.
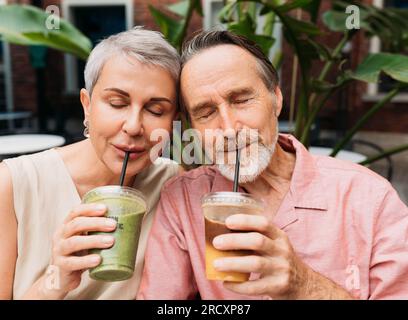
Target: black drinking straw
(125,162)
(236,175)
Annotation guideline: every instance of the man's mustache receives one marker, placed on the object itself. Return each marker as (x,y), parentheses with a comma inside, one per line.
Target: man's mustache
(242,140)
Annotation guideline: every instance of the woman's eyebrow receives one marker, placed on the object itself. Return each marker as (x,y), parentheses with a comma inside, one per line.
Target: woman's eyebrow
(160,99)
(123,93)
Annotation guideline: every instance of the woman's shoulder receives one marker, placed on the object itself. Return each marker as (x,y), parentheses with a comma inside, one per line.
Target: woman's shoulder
(165,166)
(29,164)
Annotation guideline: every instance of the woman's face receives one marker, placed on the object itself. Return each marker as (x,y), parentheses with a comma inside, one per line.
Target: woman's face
(129,101)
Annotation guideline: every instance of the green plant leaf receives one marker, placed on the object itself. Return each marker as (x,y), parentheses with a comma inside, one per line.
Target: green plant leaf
(247,27)
(179,8)
(300,27)
(284,8)
(199,8)
(313,9)
(394,65)
(170,27)
(26,25)
(225,15)
(244,26)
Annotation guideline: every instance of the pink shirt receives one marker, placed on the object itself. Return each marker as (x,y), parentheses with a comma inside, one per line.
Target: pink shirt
(343,220)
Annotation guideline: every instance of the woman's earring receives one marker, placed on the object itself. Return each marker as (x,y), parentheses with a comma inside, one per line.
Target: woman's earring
(86,130)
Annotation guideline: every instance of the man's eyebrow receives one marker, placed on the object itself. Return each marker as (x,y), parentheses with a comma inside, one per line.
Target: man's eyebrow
(123,93)
(239,91)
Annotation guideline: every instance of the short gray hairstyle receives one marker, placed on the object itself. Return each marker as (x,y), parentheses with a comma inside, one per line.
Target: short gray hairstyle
(208,39)
(146,46)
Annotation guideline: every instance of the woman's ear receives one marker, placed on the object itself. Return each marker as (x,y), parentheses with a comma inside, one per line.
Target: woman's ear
(86,102)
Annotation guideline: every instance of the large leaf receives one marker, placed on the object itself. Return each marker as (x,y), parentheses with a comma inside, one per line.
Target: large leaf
(336,20)
(180,8)
(300,27)
(313,9)
(198,7)
(26,25)
(296,4)
(246,27)
(170,27)
(394,65)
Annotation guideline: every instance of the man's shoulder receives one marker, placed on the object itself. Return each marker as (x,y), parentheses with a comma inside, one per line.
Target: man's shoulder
(345,171)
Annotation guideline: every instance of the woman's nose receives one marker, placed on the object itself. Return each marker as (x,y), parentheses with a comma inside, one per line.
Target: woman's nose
(133,124)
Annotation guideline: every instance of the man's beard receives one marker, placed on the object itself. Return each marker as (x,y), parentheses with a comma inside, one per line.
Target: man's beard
(254,158)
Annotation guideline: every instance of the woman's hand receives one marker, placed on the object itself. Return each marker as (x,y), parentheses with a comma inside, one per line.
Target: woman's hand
(70,243)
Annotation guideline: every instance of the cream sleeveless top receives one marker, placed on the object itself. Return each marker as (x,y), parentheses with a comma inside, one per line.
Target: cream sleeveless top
(44,194)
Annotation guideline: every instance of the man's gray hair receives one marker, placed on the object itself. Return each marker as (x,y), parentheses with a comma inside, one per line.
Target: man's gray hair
(207,39)
(146,46)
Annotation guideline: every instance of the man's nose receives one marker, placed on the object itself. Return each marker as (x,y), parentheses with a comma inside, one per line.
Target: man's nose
(230,123)
(133,124)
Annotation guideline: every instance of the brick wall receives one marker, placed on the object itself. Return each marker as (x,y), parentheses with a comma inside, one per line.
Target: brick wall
(23,75)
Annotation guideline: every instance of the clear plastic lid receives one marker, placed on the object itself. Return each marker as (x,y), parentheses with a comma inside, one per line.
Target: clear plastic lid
(231,198)
(113,192)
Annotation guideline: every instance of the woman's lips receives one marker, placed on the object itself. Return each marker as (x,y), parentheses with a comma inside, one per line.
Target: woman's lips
(134,152)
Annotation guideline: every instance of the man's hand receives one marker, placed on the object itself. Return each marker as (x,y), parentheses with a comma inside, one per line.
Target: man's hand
(282,274)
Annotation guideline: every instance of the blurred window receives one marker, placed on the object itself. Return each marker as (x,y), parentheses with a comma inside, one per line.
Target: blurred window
(97,20)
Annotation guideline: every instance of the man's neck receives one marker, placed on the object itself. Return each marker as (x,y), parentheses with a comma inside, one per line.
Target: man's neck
(275,179)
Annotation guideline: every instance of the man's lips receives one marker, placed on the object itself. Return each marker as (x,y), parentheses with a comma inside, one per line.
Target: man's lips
(235,149)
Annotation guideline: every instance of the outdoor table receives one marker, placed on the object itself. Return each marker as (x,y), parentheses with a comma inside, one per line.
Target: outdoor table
(10,117)
(342,155)
(28,143)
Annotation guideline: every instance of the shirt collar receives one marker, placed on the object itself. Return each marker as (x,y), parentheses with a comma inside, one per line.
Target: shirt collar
(305,189)
(304,192)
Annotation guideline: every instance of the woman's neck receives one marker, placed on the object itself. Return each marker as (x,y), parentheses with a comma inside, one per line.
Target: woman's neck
(88,171)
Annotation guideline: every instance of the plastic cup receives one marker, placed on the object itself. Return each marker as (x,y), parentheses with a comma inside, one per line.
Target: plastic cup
(217,207)
(127,206)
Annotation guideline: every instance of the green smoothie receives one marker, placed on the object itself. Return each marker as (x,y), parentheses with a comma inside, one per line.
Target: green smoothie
(127,206)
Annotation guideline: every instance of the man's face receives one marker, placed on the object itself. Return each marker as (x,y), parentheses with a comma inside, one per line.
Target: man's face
(224,92)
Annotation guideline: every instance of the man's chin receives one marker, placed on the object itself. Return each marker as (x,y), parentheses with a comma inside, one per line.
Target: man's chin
(228,172)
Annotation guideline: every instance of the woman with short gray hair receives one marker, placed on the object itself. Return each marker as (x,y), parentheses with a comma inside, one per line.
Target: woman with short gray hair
(131,91)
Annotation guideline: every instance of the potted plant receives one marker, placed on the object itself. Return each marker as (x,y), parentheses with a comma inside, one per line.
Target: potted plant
(313,91)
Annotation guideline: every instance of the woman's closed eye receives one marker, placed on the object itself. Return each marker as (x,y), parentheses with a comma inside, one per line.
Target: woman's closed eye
(155,110)
(118,103)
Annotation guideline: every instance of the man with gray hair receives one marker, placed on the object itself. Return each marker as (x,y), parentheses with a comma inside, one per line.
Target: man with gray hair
(330,229)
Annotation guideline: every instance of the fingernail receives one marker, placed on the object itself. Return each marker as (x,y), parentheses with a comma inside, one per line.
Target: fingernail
(217,264)
(107,240)
(95,259)
(217,242)
(100,207)
(110,223)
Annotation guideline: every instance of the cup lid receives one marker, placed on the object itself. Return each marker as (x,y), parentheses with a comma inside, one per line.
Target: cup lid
(115,190)
(228,197)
